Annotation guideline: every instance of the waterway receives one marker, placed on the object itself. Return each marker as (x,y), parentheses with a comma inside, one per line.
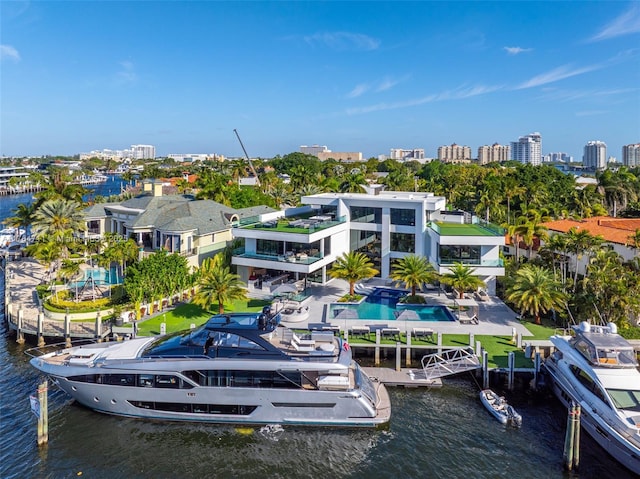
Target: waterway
(434,433)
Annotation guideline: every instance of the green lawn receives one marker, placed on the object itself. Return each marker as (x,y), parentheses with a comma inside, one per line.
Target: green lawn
(184,315)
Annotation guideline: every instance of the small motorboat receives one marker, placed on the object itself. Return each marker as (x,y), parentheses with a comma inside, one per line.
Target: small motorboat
(497,405)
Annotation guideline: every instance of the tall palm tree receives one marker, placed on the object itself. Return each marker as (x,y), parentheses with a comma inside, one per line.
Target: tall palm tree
(461,278)
(353,267)
(58,218)
(413,271)
(217,284)
(46,252)
(23,217)
(535,291)
(580,242)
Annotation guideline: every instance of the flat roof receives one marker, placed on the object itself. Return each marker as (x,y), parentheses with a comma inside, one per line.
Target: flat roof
(457,229)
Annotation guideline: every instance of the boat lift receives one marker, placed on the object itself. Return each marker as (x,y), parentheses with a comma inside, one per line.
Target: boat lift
(448,362)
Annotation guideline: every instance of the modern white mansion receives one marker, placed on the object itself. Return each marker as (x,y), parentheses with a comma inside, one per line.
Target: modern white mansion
(302,243)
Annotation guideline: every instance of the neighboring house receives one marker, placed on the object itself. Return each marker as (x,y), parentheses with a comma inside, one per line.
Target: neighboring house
(302,243)
(180,224)
(614,231)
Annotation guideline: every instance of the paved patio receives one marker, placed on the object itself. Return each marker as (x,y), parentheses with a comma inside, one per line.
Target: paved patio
(495,317)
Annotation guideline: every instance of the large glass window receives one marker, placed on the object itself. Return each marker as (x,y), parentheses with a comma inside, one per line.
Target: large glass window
(269,247)
(364,214)
(403,242)
(403,217)
(369,243)
(450,254)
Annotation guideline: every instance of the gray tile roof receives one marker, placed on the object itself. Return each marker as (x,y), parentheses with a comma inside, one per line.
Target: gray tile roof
(177,213)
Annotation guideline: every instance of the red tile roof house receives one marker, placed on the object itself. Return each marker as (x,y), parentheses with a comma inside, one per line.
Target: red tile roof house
(616,232)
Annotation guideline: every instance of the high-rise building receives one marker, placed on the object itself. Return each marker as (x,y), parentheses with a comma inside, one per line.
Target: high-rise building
(558,157)
(495,152)
(313,150)
(528,149)
(595,155)
(454,154)
(406,155)
(631,155)
(143,152)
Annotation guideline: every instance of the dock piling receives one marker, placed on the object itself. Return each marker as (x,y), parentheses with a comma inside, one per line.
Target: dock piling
(408,358)
(485,369)
(398,356)
(43,413)
(511,362)
(377,350)
(571,454)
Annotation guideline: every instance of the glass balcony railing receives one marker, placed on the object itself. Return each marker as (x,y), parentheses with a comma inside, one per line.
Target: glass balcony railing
(300,258)
(489,263)
(478,228)
(298,225)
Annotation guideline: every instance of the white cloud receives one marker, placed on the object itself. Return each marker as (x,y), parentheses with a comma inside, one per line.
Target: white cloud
(344,41)
(625,24)
(7,51)
(572,95)
(457,94)
(516,50)
(384,85)
(358,90)
(560,73)
(387,84)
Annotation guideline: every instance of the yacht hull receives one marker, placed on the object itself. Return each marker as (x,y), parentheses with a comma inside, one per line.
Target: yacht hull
(233,405)
(592,423)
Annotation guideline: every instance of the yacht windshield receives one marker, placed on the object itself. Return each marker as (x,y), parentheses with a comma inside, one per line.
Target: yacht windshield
(628,400)
(365,384)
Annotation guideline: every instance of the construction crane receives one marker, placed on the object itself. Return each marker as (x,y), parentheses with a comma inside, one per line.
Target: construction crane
(253,170)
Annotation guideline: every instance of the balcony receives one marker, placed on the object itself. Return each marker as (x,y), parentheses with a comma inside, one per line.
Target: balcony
(290,258)
(473,262)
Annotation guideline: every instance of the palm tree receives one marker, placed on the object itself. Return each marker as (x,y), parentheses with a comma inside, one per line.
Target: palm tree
(45,252)
(353,183)
(23,217)
(413,271)
(217,284)
(69,269)
(535,291)
(578,243)
(353,267)
(58,218)
(461,278)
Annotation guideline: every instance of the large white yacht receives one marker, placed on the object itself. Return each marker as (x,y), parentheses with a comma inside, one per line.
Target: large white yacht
(597,369)
(237,368)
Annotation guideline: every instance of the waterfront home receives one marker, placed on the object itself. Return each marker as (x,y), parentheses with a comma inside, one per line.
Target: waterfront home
(302,243)
(616,232)
(196,229)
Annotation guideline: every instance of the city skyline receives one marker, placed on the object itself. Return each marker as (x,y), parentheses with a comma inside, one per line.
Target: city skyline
(368,77)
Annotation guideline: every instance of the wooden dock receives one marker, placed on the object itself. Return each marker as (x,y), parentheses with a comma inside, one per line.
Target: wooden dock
(406,377)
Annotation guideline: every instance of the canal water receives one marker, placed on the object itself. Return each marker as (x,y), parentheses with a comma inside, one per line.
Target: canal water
(436,433)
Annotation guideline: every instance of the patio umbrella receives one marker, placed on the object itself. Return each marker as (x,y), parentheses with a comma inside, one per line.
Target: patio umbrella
(284,288)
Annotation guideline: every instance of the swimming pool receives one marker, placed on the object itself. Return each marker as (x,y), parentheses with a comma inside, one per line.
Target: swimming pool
(382,303)
(101,277)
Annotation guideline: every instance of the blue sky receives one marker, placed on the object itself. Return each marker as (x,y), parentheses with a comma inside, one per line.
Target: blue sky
(355,76)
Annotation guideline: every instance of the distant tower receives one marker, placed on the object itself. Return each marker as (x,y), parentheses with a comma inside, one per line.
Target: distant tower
(595,155)
(631,155)
(528,149)
(495,152)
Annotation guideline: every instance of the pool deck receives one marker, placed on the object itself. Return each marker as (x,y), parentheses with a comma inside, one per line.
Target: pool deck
(494,317)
